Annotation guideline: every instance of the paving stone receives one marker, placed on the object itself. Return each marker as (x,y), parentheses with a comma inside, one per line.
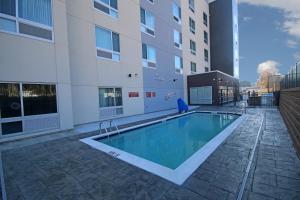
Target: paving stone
(288,183)
(255,196)
(178,193)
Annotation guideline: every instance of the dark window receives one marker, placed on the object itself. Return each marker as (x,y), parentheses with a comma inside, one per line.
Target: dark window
(116,42)
(193,47)
(143,16)
(205,37)
(205,19)
(193,67)
(101,7)
(10,102)
(8,7)
(206,55)
(11,127)
(35,31)
(39,99)
(192,25)
(144,51)
(206,69)
(114,4)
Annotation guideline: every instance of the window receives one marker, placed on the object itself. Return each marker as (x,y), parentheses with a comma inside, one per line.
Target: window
(205,37)
(148,22)
(192,5)
(110,102)
(10,100)
(206,69)
(18,100)
(177,39)
(178,65)
(193,67)
(149,56)
(205,19)
(206,55)
(110,97)
(108,44)
(34,17)
(176,13)
(193,47)
(109,7)
(39,99)
(192,25)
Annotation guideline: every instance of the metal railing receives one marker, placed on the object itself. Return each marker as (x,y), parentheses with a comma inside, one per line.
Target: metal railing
(292,79)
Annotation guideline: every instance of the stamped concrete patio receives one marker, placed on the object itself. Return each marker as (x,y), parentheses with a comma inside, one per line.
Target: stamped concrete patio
(65,168)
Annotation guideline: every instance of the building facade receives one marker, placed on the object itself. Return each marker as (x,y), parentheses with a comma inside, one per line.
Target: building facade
(69,62)
(224,36)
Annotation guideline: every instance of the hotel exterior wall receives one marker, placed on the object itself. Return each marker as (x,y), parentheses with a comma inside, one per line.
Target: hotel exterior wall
(161,79)
(29,60)
(201,6)
(88,72)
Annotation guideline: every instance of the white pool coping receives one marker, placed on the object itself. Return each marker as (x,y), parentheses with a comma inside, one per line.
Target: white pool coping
(181,173)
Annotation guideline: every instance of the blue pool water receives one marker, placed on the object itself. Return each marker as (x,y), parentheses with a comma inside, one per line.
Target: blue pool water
(172,142)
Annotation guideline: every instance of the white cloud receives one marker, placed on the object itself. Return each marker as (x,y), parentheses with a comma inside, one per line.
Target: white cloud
(291,9)
(270,66)
(292,43)
(246,19)
(296,56)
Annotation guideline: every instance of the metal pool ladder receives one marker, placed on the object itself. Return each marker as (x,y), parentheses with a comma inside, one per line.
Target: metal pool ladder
(111,122)
(112,125)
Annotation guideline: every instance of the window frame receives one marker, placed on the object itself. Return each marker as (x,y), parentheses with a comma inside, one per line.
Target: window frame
(205,38)
(146,61)
(19,20)
(205,19)
(144,27)
(178,19)
(109,7)
(24,117)
(151,1)
(181,65)
(108,50)
(180,39)
(206,58)
(193,64)
(192,6)
(193,44)
(192,29)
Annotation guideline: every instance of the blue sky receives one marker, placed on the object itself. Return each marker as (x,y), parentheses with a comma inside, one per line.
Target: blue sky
(269,33)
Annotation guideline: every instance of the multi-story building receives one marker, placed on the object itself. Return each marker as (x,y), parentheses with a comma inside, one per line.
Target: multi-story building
(70,62)
(224,36)
(196,42)
(220,85)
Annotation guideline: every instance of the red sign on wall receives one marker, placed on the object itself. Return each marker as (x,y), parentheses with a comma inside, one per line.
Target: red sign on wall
(133,94)
(150,94)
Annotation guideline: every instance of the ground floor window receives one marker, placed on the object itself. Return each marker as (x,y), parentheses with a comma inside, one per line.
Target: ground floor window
(19,101)
(110,101)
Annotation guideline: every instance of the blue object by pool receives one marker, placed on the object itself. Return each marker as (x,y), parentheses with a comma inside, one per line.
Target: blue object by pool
(172,142)
(182,106)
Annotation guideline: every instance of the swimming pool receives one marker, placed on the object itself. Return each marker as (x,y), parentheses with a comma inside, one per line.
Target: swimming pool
(171,148)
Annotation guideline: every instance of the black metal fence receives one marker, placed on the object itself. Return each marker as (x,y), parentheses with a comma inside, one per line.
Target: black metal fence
(292,79)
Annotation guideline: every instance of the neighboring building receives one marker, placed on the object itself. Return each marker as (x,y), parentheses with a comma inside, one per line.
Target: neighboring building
(65,63)
(224,46)
(209,88)
(196,41)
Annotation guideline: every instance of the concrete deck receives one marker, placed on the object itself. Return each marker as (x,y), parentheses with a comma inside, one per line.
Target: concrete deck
(66,168)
